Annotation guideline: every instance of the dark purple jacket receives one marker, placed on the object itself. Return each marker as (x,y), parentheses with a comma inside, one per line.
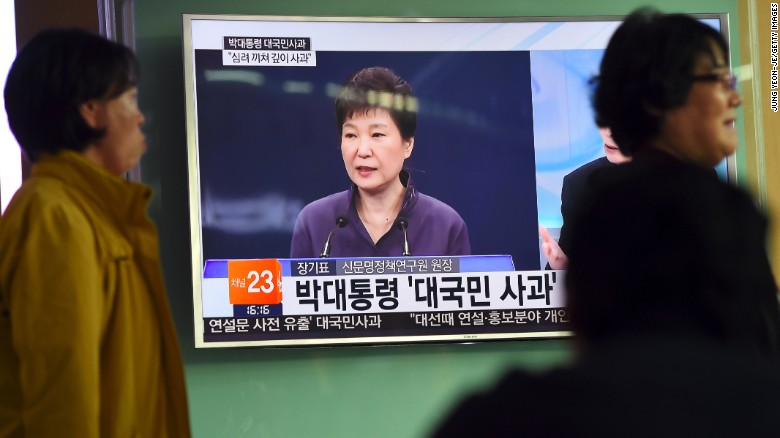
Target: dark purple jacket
(434,228)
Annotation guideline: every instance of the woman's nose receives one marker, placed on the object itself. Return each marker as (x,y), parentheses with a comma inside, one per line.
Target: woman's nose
(364,148)
(735,99)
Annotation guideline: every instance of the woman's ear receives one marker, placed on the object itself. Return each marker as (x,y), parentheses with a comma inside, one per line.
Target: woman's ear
(93,112)
(408,146)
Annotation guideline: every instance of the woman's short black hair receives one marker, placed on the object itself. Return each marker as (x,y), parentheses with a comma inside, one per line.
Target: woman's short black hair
(378,87)
(646,70)
(53,74)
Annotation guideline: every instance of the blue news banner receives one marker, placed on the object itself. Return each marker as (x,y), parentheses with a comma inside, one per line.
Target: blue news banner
(378,300)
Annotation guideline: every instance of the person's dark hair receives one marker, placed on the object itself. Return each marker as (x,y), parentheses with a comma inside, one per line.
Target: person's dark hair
(53,74)
(674,254)
(646,70)
(378,87)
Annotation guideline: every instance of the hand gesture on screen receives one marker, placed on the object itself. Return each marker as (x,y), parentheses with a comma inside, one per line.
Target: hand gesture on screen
(552,252)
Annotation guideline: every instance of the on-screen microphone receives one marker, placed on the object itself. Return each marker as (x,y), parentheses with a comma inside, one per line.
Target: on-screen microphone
(403,224)
(341,222)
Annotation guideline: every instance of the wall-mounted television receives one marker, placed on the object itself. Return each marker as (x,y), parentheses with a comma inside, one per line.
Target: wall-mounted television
(503,114)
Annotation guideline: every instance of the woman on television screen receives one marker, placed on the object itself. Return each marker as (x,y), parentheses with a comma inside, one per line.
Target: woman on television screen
(381,214)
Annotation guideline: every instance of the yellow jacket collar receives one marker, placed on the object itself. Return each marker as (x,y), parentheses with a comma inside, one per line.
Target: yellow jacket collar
(125,200)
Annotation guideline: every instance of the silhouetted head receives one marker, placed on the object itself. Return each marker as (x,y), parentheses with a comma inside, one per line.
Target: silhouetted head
(664,82)
(53,75)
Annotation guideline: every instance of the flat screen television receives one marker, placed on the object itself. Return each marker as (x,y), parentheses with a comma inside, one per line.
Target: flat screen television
(504,113)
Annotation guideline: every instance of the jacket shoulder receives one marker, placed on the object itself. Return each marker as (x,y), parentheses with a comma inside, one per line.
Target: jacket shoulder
(587,168)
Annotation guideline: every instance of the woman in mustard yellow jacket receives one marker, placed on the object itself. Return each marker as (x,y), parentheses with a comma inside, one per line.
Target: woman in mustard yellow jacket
(87,344)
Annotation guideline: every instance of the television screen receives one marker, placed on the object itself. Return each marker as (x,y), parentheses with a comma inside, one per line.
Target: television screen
(503,113)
